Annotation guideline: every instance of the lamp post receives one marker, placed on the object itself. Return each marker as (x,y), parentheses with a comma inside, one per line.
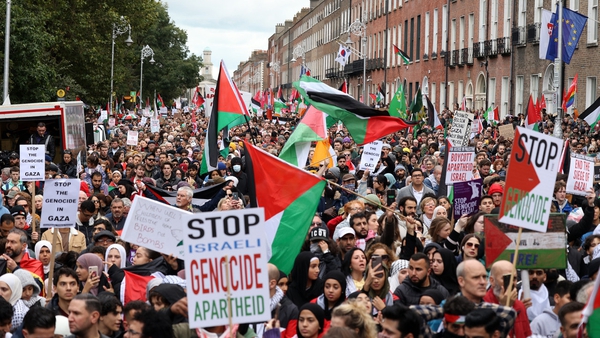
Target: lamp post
(298,52)
(359,28)
(275,68)
(6,49)
(119,27)
(146,51)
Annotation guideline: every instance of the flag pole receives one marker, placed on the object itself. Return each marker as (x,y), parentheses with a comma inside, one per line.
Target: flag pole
(558,74)
(514,262)
(363,197)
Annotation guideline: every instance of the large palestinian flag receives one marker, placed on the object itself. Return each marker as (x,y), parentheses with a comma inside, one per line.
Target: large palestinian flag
(364,123)
(311,128)
(591,115)
(289,196)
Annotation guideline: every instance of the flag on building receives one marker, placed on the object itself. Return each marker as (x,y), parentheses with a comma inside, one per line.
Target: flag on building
(592,114)
(573,24)
(289,197)
(364,123)
(304,70)
(432,116)
(311,128)
(533,115)
(405,58)
(569,98)
(398,104)
(343,55)
(344,87)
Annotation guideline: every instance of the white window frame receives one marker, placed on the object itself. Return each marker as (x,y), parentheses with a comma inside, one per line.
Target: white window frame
(591,90)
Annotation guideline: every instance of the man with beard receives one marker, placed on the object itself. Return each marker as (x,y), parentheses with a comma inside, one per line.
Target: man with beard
(341,164)
(416,188)
(358,222)
(497,295)
(347,240)
(400,176)
(84,316)
(539,293)
(408,227)
(16,246)
(150,168)
(418,281)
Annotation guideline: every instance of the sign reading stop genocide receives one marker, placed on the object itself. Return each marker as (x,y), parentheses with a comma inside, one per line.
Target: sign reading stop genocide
(226,268)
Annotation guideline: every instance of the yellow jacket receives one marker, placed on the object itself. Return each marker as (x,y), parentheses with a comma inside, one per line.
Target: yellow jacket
(76,240)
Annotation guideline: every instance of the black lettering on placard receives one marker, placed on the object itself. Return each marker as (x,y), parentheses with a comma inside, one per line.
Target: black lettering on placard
(230,225)
(540,153)
(597,173)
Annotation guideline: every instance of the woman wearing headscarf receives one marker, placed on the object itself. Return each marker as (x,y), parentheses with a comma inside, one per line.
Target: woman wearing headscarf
(334,292)
(115,254)
(44,255)
(90,281)
(31,289)
(11,290)
(443,268)
(311,322)
(165,295)
(126,189)
(377,287)
(305,283)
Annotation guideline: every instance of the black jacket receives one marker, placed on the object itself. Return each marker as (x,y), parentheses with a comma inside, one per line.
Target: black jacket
(410,294)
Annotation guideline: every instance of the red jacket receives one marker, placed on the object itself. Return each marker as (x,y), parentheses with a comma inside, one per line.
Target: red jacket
(521,329)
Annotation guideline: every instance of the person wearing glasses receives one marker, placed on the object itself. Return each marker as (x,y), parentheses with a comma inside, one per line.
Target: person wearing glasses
(150,168)
(416,188)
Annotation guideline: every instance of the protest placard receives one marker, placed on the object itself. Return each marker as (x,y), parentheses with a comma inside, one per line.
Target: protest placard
(459,164)
(581,175)
(143,121)
(33,165)
(111,122)
(103,116)
(61,198)
(132,137)
(507,130)
(370,156)
(156,226)
(534,162)
(154,125)
(536,250)
(226,268)
(460,128)
(466,197)
(596,173)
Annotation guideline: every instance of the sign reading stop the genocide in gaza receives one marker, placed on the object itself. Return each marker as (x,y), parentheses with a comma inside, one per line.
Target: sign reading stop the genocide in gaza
(534,162)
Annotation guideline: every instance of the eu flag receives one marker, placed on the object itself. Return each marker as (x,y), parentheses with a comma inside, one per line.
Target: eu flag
(573,24)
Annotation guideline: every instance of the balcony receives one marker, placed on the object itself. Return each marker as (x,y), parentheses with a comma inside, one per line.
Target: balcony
(478,50)
(354,67)
(459,58)
(333,73)
(503,46)
(374,64)
(467,56)
(533,32)
(453,58)
(518,36)
(490,48)
(425,57)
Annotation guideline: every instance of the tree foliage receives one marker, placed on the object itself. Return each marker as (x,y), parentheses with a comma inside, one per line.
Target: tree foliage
(67,44)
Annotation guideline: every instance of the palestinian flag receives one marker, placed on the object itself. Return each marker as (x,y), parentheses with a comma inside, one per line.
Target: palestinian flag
(380,93)
(533,116)
(591,312)
(432,117)
(398,104)
(344,87)
(279,103)
(401,54)
(289,196)
(592,114)
(228,110)
(364,123)
(311,128)
(159,101)
(491,114)
(201,195)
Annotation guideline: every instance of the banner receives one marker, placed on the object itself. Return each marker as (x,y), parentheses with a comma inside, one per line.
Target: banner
(156,226)
(460,164)
(370,156)
(132,138)
(33,165)
(534,162)
(226,259)
(466,197)
(61,198)
(581,175)
(460,128)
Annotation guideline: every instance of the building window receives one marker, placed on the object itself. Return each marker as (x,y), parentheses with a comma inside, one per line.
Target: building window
(482,20)
(519,95)
(442,96)
(418,50)
(426,48)
(432,93)
(405,49)
(504,97)
(412,37)
(444,27)
(590,90)
(434,45)
(491,92)
(522,13)
(507,14)
(534,84)
(592,27)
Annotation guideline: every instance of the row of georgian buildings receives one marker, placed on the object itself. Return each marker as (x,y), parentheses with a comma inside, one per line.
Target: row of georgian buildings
(483,51)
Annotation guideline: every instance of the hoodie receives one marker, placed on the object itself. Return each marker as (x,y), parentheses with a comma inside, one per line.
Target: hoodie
(410,294)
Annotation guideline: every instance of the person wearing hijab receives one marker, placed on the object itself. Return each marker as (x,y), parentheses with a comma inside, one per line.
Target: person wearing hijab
(432,297)
(90,281)
(443,269)
(31,289)
(12,290)
(165,295)
(115,254)
(44,255)
(305,283)
(334,292)
(398,272)
(311,322)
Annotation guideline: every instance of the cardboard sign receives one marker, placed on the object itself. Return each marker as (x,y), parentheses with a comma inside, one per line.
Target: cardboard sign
(460,128)
(581,175)
(459,164)
(370,156)
(156,226)
(466,197)
(132,137)
(536,251)
(33,165)
(596,173)
(154,125)
(60,203)
(507,130)
(111,122)
(534,162)
(217,242)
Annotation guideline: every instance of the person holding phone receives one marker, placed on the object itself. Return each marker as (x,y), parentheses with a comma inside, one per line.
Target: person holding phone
(89,271)
(377,285)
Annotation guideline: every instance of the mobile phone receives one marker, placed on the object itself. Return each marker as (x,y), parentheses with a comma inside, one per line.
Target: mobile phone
(391,196)
(276,317)
(234,195)
(92,271)
(376,260)
(506,279)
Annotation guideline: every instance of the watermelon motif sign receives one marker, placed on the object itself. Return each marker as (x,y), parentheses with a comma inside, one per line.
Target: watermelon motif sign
(534,162)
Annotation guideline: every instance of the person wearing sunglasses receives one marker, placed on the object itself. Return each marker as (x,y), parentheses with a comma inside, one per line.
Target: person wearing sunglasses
(469,248)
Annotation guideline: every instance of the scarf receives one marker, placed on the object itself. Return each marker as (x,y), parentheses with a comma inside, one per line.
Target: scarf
(539,302)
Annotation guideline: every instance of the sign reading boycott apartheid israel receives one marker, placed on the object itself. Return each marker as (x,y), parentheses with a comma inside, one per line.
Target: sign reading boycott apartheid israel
(534,162)
(581,175)
(459,164)
(226,263)
(536,251)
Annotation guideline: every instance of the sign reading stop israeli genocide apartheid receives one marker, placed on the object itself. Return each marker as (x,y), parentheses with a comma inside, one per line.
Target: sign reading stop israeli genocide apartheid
(226,267)
(33,165)
(459,164)
(581,175)
(534,162)
(60,203)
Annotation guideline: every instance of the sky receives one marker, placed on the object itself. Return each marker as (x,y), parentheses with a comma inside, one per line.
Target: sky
(231,29)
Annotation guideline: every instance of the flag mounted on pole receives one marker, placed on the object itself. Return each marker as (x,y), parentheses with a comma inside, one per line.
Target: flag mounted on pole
(592,114)
(343,55)
(398,104)
(432,117)
(573,24)
(405,58)
(533,115)
(569,98)
(312,127)
(344,87)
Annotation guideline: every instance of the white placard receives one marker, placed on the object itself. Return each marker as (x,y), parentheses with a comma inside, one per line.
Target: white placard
(154,125)
(460,128)
(370,156)
(60,203)
(103,115)
(111,122)
(155,225)
(143,121)
(459,164)
(186,109)
(33,165)
(212,241)
(164,111)
(132,137)
(581,175)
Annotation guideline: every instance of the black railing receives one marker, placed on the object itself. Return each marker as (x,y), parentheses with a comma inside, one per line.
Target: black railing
(490,47)
(453,58)
(373,64)
(467,56)
(503,45)
(533,32)
(478,51)
(354,67)
(518,36)
(458,58)
(333,73)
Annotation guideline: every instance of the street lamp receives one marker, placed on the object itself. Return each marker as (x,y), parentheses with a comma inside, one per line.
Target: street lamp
(6,49)
(359,28)
(119,27)
(298,52)
(146,51)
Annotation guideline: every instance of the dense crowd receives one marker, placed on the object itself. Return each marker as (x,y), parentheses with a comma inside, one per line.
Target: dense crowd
(383,255)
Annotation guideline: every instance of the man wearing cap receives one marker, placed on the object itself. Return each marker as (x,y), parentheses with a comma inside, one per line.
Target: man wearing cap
(20,216)
(42,137)
(13,181)
(13,159)
(347,146)
(349,182)
(319,245)
(104,238)
(347,240)
(400,174)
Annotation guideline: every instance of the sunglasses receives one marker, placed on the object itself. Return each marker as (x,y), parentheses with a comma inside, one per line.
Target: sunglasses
(471,245)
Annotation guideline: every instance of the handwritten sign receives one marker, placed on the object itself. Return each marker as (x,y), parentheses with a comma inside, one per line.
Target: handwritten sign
(507,130)
(60,203)
(459,166)
(143,121)
(33,165)
(460,128)
(466,197)
(581,175)
(154,125)
(132,137)
(221,246)
(155,225)
(370,155)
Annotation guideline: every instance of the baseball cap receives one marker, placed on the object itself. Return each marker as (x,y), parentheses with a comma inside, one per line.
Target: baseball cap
(345,231)
(348,177)
(18,211)
(104,233)
(318,234)
(14,155)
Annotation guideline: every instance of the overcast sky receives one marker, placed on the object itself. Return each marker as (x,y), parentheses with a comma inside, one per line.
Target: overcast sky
(232,29)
